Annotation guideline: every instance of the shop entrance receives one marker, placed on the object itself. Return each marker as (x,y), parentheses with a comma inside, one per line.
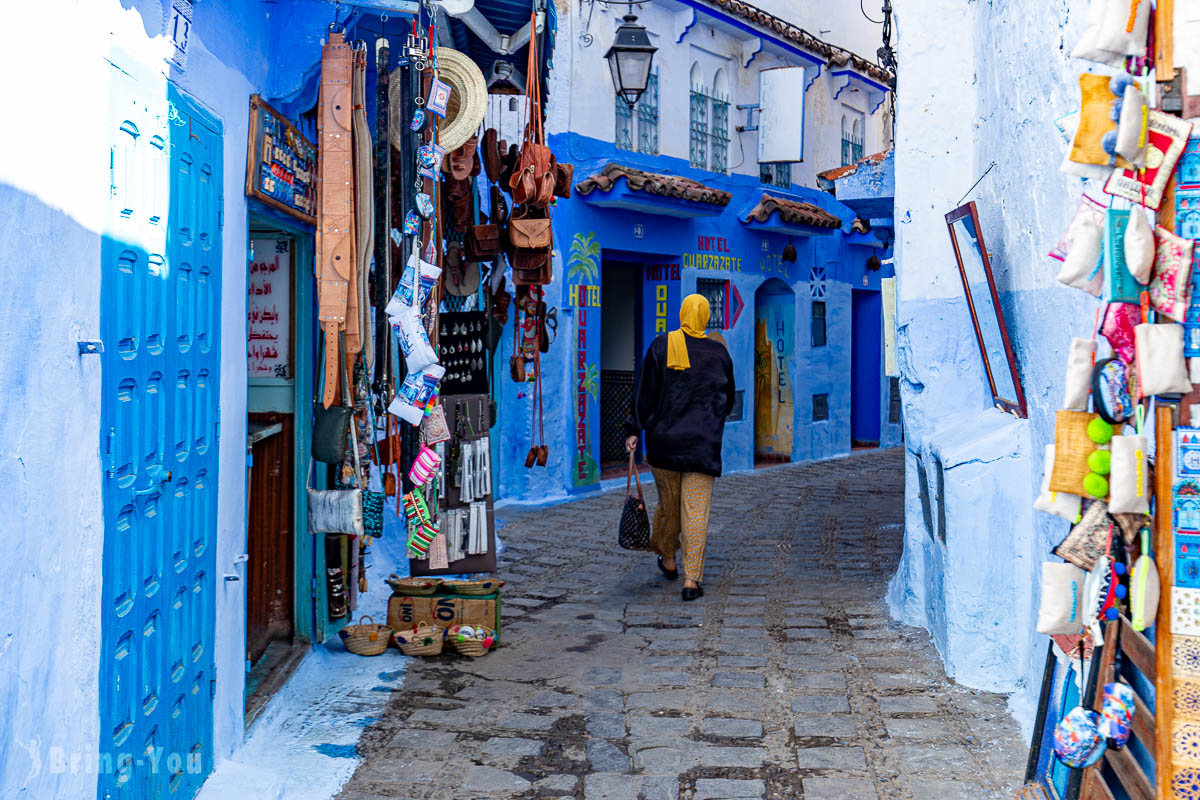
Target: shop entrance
(866,368)
(621,352)
(160,318)
(275,255)
(774,402)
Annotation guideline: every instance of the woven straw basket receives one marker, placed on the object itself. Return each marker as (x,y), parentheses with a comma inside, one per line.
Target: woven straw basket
(422,640)
(469,647)
(486,586)
(413,587)
(1071,450)
(365,639)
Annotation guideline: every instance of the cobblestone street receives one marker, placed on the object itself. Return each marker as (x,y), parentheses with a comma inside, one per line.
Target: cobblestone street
(787,680)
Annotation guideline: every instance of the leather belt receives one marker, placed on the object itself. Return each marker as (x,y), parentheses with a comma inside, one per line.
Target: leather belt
(335,243)
(358,329)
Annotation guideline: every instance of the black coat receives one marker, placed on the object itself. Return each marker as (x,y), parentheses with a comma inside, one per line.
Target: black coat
(683,411)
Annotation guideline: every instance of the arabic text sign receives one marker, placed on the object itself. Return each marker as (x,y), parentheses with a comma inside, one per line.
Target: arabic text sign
(268,309)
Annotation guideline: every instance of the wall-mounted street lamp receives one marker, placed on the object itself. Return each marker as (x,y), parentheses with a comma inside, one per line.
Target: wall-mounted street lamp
(629,59)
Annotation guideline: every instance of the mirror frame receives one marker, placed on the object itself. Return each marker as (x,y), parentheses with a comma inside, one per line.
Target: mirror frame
(1017,406)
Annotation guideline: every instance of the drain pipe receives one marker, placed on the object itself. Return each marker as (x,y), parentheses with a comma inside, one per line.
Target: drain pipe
(502,43)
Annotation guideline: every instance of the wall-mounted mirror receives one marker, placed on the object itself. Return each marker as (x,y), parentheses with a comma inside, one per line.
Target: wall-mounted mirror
(975,268)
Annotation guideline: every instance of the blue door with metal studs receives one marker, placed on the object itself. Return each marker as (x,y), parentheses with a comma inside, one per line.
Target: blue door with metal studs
(160,321)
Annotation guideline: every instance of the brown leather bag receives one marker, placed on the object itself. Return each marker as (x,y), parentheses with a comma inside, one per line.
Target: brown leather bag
(482,242)
(532,183)
(564,175)
(530,234)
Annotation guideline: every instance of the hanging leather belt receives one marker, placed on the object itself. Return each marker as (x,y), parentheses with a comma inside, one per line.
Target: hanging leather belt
(335,244)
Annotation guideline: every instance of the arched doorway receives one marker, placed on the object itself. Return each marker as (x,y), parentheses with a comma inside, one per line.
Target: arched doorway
(774,401)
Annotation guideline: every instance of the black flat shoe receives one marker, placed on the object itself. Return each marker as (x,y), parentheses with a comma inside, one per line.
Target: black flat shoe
(692,594)
(672,574)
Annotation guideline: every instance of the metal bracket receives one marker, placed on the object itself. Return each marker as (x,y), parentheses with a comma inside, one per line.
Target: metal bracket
(749,108)
(90,347)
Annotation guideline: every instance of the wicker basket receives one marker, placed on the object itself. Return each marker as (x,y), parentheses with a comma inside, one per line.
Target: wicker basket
(413,587)
(471,646)
(422,640)
(365,639)
(484,586)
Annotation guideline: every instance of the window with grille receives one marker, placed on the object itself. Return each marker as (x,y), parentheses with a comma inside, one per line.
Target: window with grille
(708,118)
(818,323)
(715,291)
(637,127)
(698,139)
(852,137)
(776,174)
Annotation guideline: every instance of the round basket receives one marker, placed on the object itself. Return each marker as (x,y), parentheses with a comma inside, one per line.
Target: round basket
(466,109)
(422,640)
(365,639)
(472,646)
(487,586)
(413,587)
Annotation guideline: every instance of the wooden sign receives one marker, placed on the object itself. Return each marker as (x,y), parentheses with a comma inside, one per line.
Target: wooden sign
(269,309)
(281,165)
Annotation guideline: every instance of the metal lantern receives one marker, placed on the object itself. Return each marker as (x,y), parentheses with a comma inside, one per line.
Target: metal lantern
(629,60)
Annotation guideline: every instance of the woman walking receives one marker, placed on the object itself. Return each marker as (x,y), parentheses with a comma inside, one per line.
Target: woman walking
(684,395)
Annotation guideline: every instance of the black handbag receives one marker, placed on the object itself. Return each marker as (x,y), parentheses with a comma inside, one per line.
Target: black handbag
(331,428)
(634,533)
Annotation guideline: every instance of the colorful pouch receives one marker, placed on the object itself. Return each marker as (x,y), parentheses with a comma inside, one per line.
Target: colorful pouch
(1144,590)
(1072,446)
(1096,121)
(1131,128)
(1139,246)
(1077,739)
(424,466)
(1128,483)
(1119,284)
(1081,266)
(1124,28)
(1060,504)
(1088,47)
(1079,373)
(1116,715)
(1110,391)
(1161,368)
(1119,321)
(1087,212)
(1060,610)
(1088,539)
(1170,289)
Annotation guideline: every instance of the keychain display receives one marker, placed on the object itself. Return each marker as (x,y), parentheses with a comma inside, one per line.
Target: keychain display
(463,346)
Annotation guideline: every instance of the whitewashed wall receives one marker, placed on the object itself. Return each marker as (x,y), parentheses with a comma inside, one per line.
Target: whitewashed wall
(589,107)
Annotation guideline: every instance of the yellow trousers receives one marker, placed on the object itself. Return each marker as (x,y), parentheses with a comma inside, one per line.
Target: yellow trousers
(684,500)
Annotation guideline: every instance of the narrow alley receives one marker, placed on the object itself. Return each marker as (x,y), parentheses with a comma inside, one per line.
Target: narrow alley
(787,680)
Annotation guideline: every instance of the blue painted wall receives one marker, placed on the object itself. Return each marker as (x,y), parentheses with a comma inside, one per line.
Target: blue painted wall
(982,83)
(50,463)
(663,239)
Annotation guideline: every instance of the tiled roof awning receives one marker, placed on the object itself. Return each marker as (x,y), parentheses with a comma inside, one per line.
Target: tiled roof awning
(651,193)
(845,79)
(782,215)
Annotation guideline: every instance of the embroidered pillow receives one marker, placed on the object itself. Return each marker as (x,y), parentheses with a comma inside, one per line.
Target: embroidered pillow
(1171,286)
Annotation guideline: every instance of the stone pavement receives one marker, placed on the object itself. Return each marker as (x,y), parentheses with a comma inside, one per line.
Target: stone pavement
(787,680)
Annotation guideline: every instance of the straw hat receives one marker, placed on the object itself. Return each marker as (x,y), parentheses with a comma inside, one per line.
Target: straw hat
(464,112)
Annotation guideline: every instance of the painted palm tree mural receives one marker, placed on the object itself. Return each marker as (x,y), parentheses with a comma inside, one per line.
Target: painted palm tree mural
(585,250)
(583,269)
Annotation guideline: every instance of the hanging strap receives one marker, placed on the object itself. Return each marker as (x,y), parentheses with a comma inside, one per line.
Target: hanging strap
(633,475)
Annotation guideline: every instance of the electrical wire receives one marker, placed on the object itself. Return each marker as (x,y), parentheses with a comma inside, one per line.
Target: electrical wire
(864,13)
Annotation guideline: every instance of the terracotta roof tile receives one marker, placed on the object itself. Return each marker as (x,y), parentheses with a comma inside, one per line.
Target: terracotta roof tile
(794,212)
(653,183)
(841,172)
(838,56)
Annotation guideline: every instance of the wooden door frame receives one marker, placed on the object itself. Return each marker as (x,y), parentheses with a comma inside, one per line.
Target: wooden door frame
(309,593)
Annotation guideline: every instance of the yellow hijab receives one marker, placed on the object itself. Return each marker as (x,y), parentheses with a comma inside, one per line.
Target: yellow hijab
(693,319)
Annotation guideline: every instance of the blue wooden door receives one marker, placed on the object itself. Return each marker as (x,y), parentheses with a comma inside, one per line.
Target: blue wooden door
(160,321)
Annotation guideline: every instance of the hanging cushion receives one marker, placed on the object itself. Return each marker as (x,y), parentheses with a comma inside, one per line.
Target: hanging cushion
(1060,504)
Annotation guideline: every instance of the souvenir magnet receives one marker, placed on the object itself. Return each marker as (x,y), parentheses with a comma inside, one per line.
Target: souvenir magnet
(412,224)
(439,97)
(425,156)
(425,205)
(418,120)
